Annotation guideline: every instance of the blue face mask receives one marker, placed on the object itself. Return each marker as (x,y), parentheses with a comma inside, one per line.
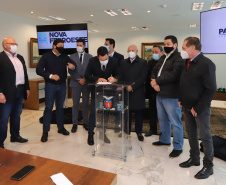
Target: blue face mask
(107,48)
(155,56)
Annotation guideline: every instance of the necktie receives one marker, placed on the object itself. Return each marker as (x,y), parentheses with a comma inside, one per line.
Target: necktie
(103,68)
(80,58)
(188,63)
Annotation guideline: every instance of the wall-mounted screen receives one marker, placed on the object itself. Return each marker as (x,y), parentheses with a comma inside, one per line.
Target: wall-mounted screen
(69,33)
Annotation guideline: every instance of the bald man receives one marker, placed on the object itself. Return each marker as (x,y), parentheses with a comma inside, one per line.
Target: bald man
(134,70)
(14,87)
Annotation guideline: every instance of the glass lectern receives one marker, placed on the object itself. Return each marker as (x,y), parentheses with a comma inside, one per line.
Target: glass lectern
(112,120)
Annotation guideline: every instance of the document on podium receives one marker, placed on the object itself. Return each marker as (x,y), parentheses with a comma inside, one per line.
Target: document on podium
(104,83)
(60,179)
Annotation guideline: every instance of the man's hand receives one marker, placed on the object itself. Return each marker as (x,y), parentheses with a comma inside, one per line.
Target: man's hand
(193,112)
(2,98)
(70,66)
(157,88)
(129,88)
(55,77)
(28,93)
(101,80)
(112,79)
(82,81)
(179,104)
(153,82)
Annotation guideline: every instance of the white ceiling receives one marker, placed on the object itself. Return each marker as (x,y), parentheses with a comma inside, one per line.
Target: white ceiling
(176,15)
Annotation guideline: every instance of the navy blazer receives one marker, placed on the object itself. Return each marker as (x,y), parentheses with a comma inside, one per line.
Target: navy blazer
(118,56)
(80,70)
(8,77)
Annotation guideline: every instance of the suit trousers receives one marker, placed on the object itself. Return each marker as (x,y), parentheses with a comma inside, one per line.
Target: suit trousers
(76,93)
(138,121)
(12,109)
(153,114)
(200,123)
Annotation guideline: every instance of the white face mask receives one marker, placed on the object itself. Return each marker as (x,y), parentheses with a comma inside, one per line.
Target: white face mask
(80,49)
(103,62)
(132,54)
(184,54)
(13,48)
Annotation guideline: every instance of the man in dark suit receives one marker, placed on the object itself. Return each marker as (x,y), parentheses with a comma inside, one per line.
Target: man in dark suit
(79,85)
(197,88)
(14,87)
(150,92)
(134,69)
(110,45)
(165,80)
(101,68)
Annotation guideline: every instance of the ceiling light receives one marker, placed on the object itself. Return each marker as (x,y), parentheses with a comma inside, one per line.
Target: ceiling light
(45,18)
(93,30)
(125,11)
(110,12)
(163,6)
(216,4)
(148,11)
(145,28)
(135,28)
(32,12)
(57,18)
(197,6)
(192,25)
(91,15)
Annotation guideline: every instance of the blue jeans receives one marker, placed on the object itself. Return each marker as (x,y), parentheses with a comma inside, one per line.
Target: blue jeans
(57,93)
(170,113)
(13,110)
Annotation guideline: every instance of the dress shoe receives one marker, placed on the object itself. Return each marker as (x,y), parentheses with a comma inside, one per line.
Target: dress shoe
(204,173)
(44,137)
(63,131)
(1,146)
(159,143)
(175,153)
(74,128)
(140,137)
(90,140)
(86,127)
(189,163)
(148,134)
(19,140)
(106,140)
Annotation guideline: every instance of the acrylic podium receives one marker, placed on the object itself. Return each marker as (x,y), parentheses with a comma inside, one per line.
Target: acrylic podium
(112,120)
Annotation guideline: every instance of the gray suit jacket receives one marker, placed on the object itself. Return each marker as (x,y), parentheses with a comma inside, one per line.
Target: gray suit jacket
(80,70)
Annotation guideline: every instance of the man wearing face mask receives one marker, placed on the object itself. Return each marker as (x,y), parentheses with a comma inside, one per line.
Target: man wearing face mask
(53,67)
(79,85)
(150,92)
(110,45)
(101,68)
(197,88)
(134,69)
(165,80)
(14,87)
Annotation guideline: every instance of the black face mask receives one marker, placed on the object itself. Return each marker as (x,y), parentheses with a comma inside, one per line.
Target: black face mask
(168,49)
(60,49)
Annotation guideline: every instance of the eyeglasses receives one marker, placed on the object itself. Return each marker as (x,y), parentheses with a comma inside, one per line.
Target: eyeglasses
(13,44)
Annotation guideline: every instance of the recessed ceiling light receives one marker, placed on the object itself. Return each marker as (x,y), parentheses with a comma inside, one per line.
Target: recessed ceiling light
(45,18)
(110,12)
(135,28)
(91,15)
(32,12)
(125,11)
(57,18)
(216,4)
(93,30)
(148,11)
(145,28)
(192,25)
(197,6)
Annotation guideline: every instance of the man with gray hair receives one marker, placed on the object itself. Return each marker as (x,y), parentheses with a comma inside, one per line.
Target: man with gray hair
(14,87)
(134,69)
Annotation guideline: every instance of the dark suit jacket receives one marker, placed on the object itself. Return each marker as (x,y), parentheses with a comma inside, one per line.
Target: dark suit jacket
(94,71)
(135,72)
(8,77)
(118,56)
(79,71)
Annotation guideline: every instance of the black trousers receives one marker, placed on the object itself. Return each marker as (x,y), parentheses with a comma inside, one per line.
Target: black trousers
(138,121)
(153,114)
